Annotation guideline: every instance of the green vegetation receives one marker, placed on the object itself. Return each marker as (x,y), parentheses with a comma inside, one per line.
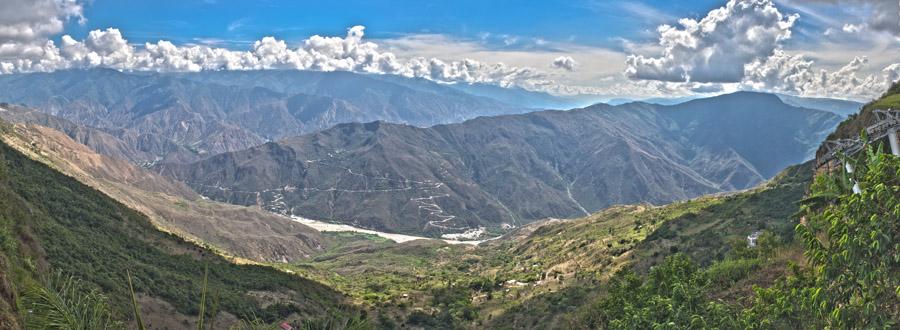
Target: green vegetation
(672,295)
(892,102)
(50,222)
(852,280)
(851,243)
(67,303)
(712,232)
(682,265)
(546,272)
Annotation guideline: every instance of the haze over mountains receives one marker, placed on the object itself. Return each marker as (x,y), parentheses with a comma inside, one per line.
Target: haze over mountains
(843,108)
(499,172)
(184,117)
(211,130)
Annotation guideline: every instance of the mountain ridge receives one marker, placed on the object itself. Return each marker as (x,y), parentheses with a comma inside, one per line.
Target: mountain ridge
(477,173)
(185,117)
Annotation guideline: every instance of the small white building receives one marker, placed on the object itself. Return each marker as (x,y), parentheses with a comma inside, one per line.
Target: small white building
(751,240)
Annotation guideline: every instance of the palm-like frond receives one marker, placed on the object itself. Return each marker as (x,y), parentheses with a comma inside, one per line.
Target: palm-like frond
(66,303)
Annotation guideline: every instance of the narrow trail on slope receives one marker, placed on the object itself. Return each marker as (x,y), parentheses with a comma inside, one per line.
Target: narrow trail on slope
(434,210)
(569,193)
(568,186)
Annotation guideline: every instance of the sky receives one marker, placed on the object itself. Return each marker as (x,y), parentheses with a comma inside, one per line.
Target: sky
(616,48)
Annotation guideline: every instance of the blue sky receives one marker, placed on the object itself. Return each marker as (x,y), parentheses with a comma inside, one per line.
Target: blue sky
(613,48)
(238,23)
(598,23)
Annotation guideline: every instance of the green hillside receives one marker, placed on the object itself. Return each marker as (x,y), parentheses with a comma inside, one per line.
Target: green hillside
(545,274)
(706,230)
(838,268)
(52,223)
(825,258)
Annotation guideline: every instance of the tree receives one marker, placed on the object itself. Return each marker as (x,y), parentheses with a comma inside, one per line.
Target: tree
(853,242)
(673,295)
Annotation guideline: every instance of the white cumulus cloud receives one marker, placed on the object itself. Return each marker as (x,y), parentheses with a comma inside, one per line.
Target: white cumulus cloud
(852,28)
(30,20)
(741,44)
(715,48)
(564,62)
(738,44)
(794,74)
(109,49)
(25,26)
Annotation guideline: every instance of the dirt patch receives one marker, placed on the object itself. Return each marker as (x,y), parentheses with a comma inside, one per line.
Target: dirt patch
(160,315)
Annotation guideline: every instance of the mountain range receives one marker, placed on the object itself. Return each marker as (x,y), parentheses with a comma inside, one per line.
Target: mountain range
(504,171)
(77,202)
(843,108)
(186,117)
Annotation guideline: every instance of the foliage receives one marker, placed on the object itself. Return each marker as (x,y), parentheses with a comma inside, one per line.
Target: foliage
(50,221)
(788,304)
(852,244)
(67,303)
(718,229)
(672,295)
(852,281)
(725,273)
(136,310)
(333,322)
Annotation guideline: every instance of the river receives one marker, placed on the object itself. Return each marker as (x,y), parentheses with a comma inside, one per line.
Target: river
(399,238)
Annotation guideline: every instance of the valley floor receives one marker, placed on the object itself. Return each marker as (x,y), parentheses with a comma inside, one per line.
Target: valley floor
(323,226)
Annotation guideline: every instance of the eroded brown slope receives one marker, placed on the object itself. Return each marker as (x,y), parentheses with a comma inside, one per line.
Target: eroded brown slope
(244,232)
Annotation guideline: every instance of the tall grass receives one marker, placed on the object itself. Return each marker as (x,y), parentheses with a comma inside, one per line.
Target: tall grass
(134,305)
(203,298)
(255,324)
(335,323)
(64,302)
